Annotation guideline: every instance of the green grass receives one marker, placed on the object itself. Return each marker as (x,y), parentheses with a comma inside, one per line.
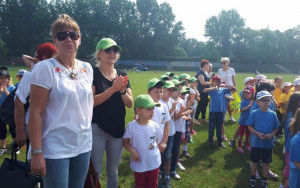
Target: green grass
(207,167)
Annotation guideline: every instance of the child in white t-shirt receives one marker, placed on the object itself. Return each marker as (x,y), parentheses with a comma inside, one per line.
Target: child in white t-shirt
(141,139)
(195,97)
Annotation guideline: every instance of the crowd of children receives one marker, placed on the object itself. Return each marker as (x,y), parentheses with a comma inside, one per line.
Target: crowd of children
(165,119)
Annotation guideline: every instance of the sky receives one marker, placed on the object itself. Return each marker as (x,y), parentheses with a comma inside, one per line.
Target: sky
(258,14)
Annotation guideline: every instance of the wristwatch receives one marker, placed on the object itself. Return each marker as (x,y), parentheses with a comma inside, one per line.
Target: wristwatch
(123,93)
(37,151)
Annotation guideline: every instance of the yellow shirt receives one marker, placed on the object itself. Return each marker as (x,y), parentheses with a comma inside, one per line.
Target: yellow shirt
(277,94)
(283,100)
(291,91)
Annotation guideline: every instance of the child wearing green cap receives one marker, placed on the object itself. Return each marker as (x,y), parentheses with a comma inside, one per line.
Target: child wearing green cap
(141,139)
(195,97)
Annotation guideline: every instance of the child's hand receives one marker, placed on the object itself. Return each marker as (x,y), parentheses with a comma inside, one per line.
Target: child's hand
(174,105)
(182,108)
(251,103)
(261,136)
(189,111)
(135,156)
(162,146)
(268,136)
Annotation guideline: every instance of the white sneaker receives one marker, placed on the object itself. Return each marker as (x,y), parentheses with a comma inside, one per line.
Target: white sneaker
(180,167)
(3,151)
(276,139)
(232,119)
(257,175)
(272,175)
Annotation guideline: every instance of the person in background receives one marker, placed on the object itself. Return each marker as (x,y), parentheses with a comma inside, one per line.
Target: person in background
(23,92)
(112,93)
(20,75)
(227,75)
(277,93)
(203,78)
(5,89)
(30,61)
(61,106)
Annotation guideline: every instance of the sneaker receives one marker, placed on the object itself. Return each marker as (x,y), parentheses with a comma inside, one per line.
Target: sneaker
(248,148)
(240,150)
(252,183)
(191,140)
(276,139)
(272,175)
(193,132)
(283,150)
(232,119)
(196,121)
(175,175)
(180,167)
(231,143)
(186,154)
(224,138)
(167,183)
(222,145)
(3,151)
(264,184)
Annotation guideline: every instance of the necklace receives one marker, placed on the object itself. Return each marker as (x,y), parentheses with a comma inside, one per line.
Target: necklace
(72,74)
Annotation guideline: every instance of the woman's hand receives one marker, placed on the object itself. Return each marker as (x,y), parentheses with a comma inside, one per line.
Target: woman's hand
(38,164)
(125,82)
(118,84)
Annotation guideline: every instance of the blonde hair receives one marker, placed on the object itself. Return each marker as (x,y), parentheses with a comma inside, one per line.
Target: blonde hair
(63,22)
(225,59)
(295,123)
(97,60)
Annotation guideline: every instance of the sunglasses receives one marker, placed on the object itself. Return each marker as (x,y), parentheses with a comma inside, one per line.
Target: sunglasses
(109,50)
(63,35)
(223,62)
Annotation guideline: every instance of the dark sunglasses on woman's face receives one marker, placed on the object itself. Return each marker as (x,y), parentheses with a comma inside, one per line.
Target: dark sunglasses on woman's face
(63,35)
(223,62)
(108,50)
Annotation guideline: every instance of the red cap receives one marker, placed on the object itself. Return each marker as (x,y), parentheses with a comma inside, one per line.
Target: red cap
(249,89)
(216,78)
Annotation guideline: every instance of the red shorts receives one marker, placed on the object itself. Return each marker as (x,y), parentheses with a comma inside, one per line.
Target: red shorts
(146,179)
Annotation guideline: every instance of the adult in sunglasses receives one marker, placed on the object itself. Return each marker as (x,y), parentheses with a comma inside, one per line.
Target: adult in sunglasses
(111,94)
(61,104)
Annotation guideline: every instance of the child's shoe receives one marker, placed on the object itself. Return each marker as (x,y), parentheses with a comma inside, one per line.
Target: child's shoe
(283,150)
(224,138)
(196,121)
(252,183)
(231,143)
(276,139)
(264,184)
(175,175)
(193,132)
(191,140)
(185,154)
(161,180)
(257,175)
(240,150)
(3,151)
(232,119)
(272,175)
(180,167)
(167,183)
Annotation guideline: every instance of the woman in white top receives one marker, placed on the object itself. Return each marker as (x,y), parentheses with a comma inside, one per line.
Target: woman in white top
(61,108)
(227,75)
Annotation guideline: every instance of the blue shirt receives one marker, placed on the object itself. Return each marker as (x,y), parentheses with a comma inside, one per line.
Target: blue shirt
(3,95)
(262,122)
(17,84)
(217,99)
(294,179)
(245,114)
(287,133)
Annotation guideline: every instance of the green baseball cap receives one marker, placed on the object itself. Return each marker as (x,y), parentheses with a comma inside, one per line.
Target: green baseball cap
(184,75)
(193,79)
(177,82)
(169,74)
(170,84)
(106,43)
(154,81)
(175,77)
(164,77)
(145,101)
(185,89)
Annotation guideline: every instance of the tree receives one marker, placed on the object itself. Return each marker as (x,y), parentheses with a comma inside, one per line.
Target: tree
(223,29)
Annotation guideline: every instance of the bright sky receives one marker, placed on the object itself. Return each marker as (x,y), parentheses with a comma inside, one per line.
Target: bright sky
(258,14)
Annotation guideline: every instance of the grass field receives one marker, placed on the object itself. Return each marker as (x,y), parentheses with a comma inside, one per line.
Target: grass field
(219,168)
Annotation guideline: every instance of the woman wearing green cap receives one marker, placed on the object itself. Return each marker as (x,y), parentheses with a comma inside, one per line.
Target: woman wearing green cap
(111,94)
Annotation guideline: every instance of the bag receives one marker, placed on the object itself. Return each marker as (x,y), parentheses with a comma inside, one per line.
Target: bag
(15,174)
(235,104)
(7,109)
(91,180)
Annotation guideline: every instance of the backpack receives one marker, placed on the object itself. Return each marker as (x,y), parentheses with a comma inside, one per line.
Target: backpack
(7,109)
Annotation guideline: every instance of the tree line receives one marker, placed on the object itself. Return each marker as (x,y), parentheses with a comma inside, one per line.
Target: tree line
(145,30)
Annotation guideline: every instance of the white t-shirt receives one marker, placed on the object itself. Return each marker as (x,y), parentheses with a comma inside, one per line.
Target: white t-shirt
(143,139)
(68,113)
(161,116)
(180,123)
(171,122)
(226,76)
(23,91)
(194,106)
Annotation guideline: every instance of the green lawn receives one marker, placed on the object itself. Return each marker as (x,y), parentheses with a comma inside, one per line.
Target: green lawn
(207,167)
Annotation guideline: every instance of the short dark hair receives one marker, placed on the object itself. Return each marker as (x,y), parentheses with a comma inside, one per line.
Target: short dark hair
(158,85)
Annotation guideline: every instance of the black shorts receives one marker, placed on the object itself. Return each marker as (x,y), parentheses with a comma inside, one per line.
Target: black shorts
(263,154)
